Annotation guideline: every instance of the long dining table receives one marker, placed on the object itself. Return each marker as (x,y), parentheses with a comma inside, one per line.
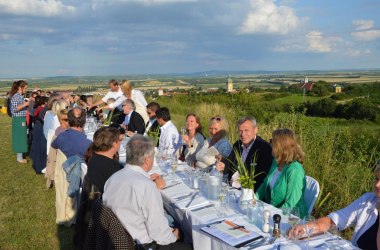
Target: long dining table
(193,211)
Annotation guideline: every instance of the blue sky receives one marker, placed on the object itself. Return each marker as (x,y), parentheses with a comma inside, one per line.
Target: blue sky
(108,37)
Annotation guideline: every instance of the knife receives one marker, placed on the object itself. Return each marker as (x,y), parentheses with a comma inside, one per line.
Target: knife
(172,185)
(191,200)
(200,208)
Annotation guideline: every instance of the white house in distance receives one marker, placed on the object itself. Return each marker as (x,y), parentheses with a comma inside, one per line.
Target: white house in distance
(160,92)
(229,84)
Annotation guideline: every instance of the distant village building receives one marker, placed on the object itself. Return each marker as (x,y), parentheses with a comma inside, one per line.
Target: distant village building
(160,92)
(230,85)
(306,85)
(338,88)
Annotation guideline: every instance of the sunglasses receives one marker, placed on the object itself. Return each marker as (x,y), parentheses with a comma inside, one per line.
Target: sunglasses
(217,118)
(65,119)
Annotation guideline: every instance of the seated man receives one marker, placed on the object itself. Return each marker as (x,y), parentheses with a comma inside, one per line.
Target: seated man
(152,125)
(133,122)
(73,141)
(136,201)
(169,141)
(253,150)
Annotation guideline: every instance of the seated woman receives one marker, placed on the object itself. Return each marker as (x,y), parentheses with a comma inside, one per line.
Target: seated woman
(363,213)
(194,139)
(286,181)
(217,144)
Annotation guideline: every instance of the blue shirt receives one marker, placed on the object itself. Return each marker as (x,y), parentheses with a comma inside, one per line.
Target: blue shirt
(72,142)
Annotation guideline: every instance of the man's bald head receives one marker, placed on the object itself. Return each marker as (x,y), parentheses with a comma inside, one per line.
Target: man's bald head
(77,117)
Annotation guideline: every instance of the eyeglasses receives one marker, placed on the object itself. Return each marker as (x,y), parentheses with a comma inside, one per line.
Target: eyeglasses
(218,118)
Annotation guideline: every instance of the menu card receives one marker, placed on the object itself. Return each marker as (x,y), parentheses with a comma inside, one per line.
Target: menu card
(231,233)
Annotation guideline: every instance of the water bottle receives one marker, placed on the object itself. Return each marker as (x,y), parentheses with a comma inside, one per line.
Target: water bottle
(214,184)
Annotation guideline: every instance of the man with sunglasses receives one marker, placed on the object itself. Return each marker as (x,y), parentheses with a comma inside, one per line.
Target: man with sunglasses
(253,150)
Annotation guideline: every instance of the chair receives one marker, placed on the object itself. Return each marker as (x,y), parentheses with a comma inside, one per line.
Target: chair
(311,193)
(66,207)
(105,231)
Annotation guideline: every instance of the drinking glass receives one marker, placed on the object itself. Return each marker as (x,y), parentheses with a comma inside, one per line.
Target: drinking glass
(334,231)
(183,131)
(174,163)
(294,217)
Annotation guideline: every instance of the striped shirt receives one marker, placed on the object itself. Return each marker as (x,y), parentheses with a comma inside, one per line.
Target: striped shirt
(17,100)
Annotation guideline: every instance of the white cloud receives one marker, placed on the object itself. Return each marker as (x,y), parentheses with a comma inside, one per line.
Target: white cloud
(267,17)
(363,24)
(317,42)
(366,35)
(4,37)
(35,7)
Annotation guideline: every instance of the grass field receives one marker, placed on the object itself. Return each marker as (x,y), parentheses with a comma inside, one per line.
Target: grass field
(27,210)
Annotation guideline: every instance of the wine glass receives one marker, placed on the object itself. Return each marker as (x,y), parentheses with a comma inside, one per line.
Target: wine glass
(174,164)
(294,217)
(309,227)
(334,230)
(183,131)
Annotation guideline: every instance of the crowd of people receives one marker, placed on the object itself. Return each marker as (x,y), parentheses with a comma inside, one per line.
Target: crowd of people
(56,123)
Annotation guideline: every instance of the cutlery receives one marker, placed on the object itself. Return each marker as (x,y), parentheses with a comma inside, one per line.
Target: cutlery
(192,198)
(172,185)
(201,208)
(182,197)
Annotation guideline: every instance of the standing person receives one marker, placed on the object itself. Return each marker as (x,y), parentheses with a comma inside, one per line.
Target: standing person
(285,184)
(169,137)
(19,129)
(193,139)
(136,201)
(114,92)
(253,150)
(135,95)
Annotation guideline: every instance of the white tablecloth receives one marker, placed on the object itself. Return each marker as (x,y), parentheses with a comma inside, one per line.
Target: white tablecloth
(192,221)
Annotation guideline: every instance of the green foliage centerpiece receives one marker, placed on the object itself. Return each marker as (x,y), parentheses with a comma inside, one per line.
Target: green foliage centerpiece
(155,135)
(246,177)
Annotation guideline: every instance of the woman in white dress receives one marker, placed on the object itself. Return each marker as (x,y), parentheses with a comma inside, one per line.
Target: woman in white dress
(137,97)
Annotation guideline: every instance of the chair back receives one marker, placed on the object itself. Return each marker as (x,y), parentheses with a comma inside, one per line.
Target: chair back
(311,193)
(105,231)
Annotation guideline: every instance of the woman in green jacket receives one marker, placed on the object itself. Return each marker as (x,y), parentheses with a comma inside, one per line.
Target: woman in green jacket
(285,184)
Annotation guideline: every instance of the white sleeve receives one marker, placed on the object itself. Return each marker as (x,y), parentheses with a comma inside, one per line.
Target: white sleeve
(106,97)
(348,216)
(138,97)
(118,102)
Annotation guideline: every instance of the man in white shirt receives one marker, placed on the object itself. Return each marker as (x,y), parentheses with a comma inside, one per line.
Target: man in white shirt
(169,137)
(114,92)
(136,201)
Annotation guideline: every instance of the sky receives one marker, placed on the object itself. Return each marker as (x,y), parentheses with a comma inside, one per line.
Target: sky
(120,37)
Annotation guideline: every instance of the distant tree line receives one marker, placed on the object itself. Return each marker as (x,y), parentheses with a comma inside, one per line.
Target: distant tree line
(85,89)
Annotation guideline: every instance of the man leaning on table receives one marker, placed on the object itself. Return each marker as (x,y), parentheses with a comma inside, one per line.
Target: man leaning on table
(136,201)
(253,150)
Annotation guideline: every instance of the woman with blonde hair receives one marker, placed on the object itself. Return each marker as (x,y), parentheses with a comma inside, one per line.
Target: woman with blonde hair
(217,144)
(285,184)
(135,95)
